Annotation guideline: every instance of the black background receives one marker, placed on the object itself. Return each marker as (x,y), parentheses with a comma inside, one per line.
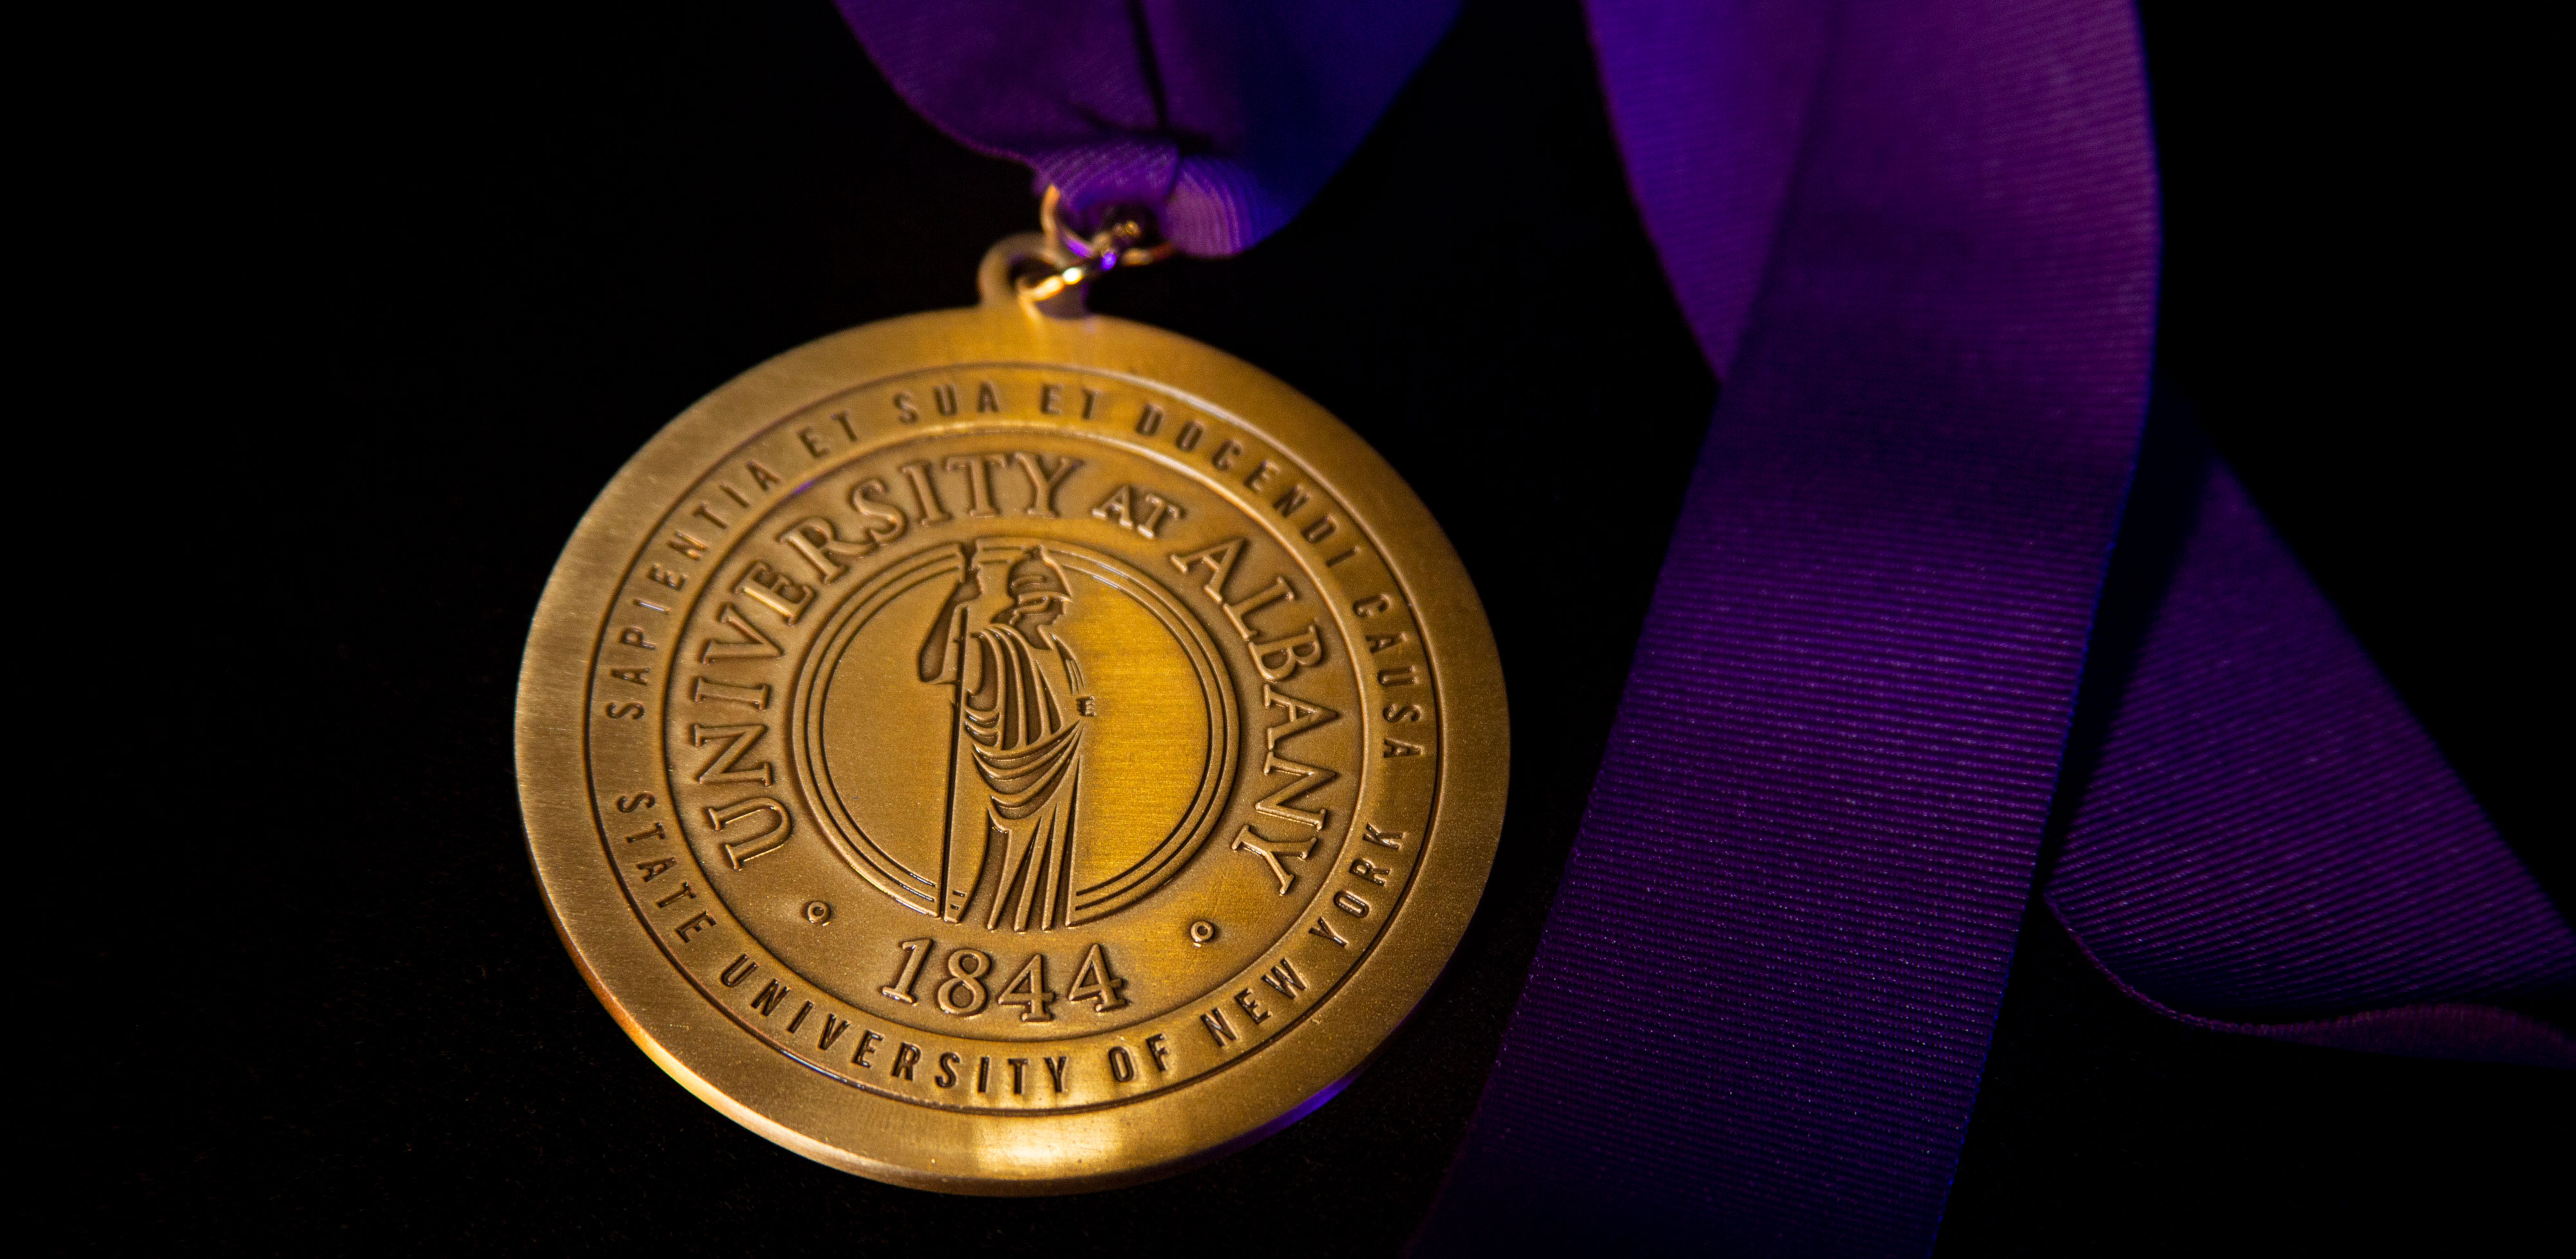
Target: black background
(434,274)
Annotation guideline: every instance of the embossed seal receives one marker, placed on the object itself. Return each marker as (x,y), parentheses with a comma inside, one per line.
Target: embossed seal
(972,749)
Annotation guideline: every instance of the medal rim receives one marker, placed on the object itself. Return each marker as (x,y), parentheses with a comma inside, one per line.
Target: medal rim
(1194,1120)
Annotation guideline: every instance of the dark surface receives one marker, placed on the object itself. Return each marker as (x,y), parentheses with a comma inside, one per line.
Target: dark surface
(461,264)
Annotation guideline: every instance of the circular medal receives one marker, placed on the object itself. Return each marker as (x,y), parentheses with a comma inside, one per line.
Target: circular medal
(1001,752)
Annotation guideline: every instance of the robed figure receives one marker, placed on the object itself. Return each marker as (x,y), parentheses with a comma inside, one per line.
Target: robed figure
(1015,751)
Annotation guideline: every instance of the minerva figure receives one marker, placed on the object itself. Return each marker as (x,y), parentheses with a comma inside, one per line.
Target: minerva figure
(1015,750)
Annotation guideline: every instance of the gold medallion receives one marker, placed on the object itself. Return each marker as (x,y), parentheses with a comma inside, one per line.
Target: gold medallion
(1009,750)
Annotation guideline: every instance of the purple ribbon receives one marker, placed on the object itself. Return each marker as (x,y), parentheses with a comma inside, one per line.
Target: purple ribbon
(1919,240)
(1226,116)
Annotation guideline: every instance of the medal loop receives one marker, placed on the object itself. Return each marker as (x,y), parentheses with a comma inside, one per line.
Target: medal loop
(1126,238)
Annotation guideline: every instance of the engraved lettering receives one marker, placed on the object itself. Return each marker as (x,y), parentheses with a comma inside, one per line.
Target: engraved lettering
(1143,511)
(753,645)
(1153,509)
(1278,659)
(926,506)
(640,677)
(1398,747)
(914,952)
(1371,606)
(665,576)
(962,993)
(1276,591)
(1385,642)
(832,1029)
(1019,1075)
(1301,716)
(885,521)
(1219,561)
(1218,1029)
(1371,871)
(655,833)
(1051,399)
(775,590)
(905,412)
(1391,840)
(1288,503)
(640,800)
(947,1077)
(979,481)
(1324,930)
(738,970)
(906,1054)
(944,397)
(655,867)
(633,636)
(683,894)
(1251,1009)
(1118,509)
(766,1001)
(773,834)
(1281,804)
(1323,527)
(1150,420)
(681,541)
(868,1041)
(1401,675)
(761,477)
(1028,990)
(985,398)
(708,514)
(819,540)
(1043,483)
(1351,904)
(813,442)
(1270,851)
(1284,979)
(1260,476)
(1090,399)
(1222,458)
(699,923)
(1093,982)
(1187,436)
(1055,1071)
(1122,1065)
(725,766)
(1159,1052)
(710,691)
(617,712)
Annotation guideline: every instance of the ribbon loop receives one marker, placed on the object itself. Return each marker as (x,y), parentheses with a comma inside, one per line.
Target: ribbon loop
(1223,117)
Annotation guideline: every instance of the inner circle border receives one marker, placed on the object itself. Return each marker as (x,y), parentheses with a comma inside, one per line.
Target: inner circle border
(813,688)
(1372,780)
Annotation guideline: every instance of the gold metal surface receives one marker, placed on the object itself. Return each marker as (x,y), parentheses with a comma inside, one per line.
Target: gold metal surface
(1005,753)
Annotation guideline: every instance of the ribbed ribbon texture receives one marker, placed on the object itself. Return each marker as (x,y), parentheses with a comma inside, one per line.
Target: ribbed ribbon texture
(1918,240)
